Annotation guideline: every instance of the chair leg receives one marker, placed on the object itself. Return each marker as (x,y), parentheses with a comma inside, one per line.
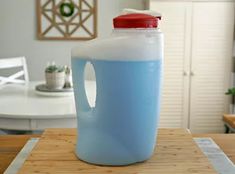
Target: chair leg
(227,130)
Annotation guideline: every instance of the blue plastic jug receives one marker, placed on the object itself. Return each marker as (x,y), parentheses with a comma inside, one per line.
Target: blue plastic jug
(121,129)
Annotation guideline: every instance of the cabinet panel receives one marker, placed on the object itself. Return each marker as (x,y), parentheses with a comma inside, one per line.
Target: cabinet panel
(212,37)
(175,25)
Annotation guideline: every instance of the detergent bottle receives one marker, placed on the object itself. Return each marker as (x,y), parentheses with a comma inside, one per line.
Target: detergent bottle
(121,128)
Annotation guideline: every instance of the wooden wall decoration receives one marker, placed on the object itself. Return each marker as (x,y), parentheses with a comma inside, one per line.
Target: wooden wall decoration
(66,19)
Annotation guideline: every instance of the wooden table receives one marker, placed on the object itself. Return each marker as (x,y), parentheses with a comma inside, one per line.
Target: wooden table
(10,145)
(229,122)
(225,141)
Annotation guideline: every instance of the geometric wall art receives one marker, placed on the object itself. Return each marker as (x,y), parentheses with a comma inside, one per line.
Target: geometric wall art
(66,19)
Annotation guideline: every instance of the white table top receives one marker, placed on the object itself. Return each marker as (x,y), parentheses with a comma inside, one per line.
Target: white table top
(21,101)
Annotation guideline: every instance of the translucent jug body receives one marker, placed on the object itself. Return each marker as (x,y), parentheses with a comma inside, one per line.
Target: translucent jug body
(121,129)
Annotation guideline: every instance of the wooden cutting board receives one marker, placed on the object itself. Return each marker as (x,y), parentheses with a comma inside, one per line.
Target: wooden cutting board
(175,153)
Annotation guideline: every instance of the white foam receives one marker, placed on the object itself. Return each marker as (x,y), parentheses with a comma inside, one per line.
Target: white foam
(124,44)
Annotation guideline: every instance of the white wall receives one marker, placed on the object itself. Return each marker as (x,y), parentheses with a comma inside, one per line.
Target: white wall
(136,4)
(18,33)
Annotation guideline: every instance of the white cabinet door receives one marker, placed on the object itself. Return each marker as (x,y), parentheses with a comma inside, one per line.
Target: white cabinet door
(175,25)
(212,36)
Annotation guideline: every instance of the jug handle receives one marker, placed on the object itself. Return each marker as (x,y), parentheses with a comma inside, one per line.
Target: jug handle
(82,100)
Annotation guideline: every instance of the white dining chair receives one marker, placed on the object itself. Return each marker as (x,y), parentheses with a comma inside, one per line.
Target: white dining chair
(10,63)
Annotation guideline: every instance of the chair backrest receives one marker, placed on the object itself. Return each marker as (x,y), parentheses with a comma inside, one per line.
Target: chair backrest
(16,62)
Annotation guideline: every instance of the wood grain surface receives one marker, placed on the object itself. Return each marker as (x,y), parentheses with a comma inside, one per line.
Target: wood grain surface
(10,145)
(176,153)
(230,119)
(225,141)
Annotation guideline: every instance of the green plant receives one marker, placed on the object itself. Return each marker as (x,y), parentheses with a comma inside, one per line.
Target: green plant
(67,69)
(54,68)
(231,91)
(67,9)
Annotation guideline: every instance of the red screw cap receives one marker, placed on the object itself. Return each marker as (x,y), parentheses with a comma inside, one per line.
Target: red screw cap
(136,20)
